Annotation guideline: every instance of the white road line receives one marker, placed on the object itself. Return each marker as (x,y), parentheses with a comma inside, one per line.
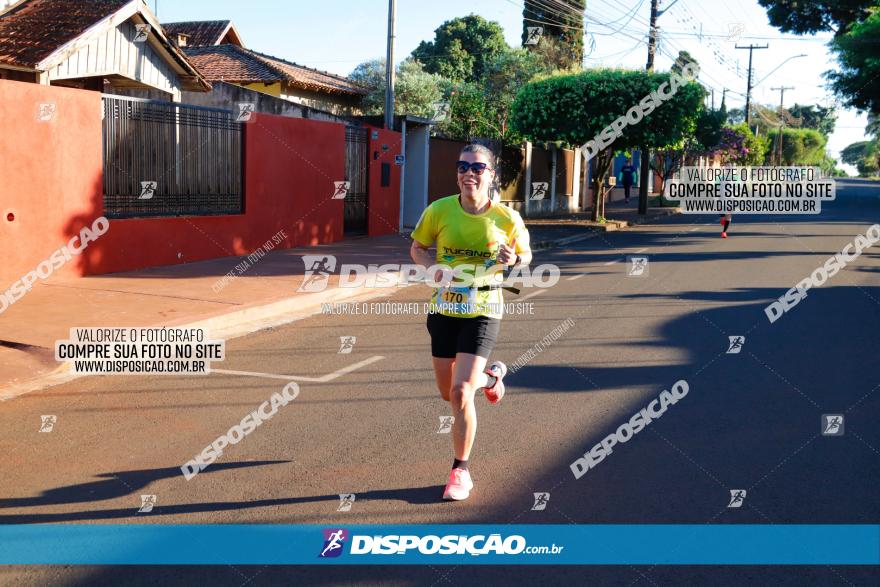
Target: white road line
(573,277)
(267,375)
(322,379)
(612,262)
(642,250)
(694,228)
(531,295)
(350,368)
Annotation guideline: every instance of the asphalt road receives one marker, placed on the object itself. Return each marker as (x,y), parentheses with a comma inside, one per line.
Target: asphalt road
(751,420)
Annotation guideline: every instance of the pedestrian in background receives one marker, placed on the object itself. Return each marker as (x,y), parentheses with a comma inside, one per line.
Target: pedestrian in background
(628,177)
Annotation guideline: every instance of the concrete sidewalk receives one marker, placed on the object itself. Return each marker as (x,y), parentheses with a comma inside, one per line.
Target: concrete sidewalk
(198,295)
(553,231)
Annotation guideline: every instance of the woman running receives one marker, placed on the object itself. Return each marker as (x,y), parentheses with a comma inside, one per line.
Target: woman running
(472,233)
(725,223)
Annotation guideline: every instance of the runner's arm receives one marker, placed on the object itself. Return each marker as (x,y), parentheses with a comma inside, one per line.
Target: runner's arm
(420,254)
(519,246)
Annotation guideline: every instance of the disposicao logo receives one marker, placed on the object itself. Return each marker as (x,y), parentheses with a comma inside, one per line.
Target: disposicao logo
(334,540)
(399,544)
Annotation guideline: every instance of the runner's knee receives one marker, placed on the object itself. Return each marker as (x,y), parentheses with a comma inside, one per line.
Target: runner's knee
(461,394)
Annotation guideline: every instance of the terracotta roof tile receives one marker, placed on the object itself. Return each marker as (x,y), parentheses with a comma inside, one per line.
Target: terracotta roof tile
(32,30)
(235,64)
(201,33)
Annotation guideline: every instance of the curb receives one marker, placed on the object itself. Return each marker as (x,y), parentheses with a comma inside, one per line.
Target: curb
(226,326)
(610,226)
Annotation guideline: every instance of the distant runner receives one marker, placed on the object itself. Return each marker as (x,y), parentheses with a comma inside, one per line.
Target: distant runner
(469,230)
(725,223)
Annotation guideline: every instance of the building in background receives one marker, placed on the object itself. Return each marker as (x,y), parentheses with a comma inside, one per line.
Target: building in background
(110,46)
(203,33)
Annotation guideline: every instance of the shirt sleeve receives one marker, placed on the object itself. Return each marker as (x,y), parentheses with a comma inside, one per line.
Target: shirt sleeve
(425,232)
(519,233)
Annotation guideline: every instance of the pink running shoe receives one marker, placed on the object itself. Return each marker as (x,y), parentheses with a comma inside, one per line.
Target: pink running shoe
(496,373)
(459,486)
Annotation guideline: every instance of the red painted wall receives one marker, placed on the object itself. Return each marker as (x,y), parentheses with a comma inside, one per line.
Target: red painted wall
(50,175)
(51,181)
(384,202)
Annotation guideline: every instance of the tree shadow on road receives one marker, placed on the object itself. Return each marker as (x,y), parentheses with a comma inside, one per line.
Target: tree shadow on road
(117,485)
(113,486)
(411,495)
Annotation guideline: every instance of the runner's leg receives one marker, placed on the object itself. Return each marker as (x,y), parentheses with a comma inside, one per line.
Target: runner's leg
(468,377)
(443,375)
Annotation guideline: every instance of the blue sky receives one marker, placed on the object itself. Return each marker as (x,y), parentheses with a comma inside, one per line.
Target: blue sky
(336,35)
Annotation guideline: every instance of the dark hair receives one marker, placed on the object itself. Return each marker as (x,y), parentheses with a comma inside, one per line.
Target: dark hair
(482,150)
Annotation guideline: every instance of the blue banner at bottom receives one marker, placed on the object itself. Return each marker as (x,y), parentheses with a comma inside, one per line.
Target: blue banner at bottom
(441,544)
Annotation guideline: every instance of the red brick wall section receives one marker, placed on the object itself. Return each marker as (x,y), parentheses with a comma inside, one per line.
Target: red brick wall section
(51,184)
(383,202)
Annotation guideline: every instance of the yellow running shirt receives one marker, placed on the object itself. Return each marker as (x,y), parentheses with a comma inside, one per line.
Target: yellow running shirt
(470,239)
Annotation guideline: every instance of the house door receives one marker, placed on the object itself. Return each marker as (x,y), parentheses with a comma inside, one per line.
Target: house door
(356,164)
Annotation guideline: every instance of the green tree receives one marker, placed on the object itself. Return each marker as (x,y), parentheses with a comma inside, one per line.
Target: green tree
(575,108)
(415,92)
(471,114)
(736,116)
(482,109)
(858,80)
(684,58)
(800,146)
(562,40)
(756,146)
(856,42)
(707,134)
(864,155)
(461,48)
(705,139)
(816,117)
(811,16)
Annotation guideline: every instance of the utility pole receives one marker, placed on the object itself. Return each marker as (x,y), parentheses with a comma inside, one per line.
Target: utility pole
(781,90)
(643,150)
(749,82)
(389,66)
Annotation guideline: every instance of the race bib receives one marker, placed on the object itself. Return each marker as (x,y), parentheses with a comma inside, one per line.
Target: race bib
(457,300)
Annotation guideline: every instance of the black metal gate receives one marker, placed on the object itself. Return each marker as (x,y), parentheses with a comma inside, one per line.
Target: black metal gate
(356,165)
(170,159)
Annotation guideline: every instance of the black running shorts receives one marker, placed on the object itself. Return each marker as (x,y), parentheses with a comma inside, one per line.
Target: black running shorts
(450,335)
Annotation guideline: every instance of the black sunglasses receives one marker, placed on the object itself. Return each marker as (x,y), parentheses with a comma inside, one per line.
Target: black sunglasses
(477,167)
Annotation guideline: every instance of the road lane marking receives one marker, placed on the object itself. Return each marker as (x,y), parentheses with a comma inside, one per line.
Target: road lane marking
(350,368)
(642,250)
(694,228)
(612,262)
(323,379)
(531,295)
(573,277)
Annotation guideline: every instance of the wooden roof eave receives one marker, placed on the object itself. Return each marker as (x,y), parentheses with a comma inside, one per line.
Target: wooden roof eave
(189,76)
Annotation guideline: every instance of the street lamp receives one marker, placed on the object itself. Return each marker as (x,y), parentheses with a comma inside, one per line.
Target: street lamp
(777,67)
